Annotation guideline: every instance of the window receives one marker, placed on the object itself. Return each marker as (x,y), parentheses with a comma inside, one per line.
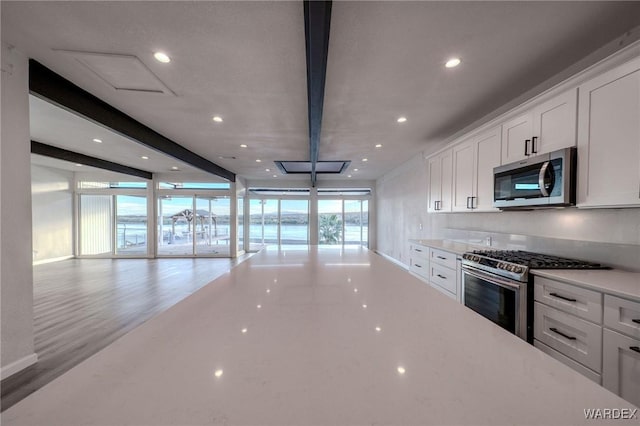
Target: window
(194,185)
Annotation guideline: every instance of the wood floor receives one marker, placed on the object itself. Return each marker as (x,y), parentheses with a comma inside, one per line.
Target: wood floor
(83,305)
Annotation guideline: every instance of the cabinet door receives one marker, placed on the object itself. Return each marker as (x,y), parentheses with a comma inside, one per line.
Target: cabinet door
(554,123)
(609,138)
(487,156)
(463,160)
(514,134)
(621,366)
(435,183)
(447,180)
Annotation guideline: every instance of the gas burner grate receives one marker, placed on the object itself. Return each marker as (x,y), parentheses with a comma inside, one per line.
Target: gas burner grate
(537,260)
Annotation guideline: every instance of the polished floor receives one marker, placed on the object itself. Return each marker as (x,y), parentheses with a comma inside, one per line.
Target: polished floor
(83,305)
(316,336)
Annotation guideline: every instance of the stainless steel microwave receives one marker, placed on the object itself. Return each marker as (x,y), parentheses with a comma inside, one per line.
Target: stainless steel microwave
(547,180)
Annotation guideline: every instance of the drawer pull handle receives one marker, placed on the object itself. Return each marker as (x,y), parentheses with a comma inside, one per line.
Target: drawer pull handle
(555,330)
(442,258)
(415,264)
(637,321)
(562,297)
(443,277)
(635,348)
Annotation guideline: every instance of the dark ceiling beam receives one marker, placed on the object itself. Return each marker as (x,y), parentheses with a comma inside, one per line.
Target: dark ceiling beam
(86,160)
(317,20)
(48,85)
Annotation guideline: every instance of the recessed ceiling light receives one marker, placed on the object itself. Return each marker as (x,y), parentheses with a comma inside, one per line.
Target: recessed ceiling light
(258,161)
(78,165)
(162,57)
(275,175)
(349,176)
(267,170)
(174,168)
(401,370)
(218,373)
(243,145)
(401,119)
(379,145)
(217,119)
(453,62)
(96,140)
(144,157)
(355,170)
(365,159)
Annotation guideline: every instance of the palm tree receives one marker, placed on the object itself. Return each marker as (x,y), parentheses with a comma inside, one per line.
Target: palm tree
(330,229)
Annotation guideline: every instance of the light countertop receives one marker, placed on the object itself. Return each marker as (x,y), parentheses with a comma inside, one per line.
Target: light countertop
(450,246)
(322,336)
(615,282)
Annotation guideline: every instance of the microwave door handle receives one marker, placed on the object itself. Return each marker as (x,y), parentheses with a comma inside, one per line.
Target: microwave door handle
(541,176)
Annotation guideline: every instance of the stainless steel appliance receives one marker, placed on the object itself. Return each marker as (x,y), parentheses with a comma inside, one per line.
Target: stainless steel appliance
(497,285)
(546,180)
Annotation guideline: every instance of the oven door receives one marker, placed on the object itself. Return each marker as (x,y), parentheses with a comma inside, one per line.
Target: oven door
(500,300)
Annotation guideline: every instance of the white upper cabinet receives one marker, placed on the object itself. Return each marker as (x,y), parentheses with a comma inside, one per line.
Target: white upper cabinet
(439,169)
(554,123)
(547,127)
(609,139)
(516,138)
(463,165)
(488,152)
(473,163)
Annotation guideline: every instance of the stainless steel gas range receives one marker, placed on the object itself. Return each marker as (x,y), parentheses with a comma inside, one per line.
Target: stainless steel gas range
(498,285)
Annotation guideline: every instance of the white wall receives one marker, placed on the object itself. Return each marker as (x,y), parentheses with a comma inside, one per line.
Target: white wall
(52,215)
(401,209)
(16,278)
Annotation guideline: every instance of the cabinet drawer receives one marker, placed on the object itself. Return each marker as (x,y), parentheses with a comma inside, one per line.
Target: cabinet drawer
(420,267)
(621,366)
(622,315)
(586,304)
(418,251)
(569,362)
(443,277)
(576,338)
(443,258)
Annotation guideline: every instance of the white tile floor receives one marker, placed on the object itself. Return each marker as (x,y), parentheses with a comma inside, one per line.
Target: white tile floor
(321,336)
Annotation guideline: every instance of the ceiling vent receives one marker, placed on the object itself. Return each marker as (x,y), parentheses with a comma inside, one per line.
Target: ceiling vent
(325,167)
(122,72)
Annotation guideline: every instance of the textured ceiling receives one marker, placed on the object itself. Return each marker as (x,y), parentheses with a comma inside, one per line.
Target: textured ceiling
(245,61)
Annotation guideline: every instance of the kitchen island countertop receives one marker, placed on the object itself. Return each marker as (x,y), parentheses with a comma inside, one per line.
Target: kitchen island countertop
(322,336)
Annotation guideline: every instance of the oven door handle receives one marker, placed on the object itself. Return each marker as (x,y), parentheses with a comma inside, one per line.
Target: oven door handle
(493,279)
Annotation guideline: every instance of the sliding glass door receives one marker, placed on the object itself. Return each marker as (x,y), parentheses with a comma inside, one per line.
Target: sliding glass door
(193,225)
(343,221)
(131,225)
(278,221)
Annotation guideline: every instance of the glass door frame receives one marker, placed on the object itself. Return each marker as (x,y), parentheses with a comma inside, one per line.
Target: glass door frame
(279,199)
(194,194)
(343,199)
(113,193)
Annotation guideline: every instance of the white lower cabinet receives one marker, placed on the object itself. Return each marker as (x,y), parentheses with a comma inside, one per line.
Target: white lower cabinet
(419,260)
(596,335)
(621,350)
(439,268)
(592,375)
(574,337)
(621,366)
